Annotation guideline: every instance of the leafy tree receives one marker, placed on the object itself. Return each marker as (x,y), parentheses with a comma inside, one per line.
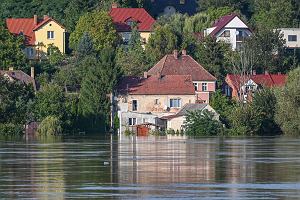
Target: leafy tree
(50,101)
(161,42)
(11,54)
(85,46)
(16,99)
(264,101)
(222,105)
(100,27)
(55,56)
(288,104)
(50,126)
(211,54)
(132,59)
(94,104)
(202,123)
(273,14)
(245,120)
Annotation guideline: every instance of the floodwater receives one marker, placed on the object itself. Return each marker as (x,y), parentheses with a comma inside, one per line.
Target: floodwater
(92,167)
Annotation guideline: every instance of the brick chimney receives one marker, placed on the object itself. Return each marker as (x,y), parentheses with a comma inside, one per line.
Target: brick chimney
(266,72)
(35,19)
(114,5)
(175,53)
(254,72)
(46,17)
(279,73)
(145,74)
(32,72)
(183,52)
(11,69)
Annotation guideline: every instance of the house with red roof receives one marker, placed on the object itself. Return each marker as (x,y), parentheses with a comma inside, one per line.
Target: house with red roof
(243,87)
(143,100)
(39,34)
(183,64)
(231,29)
(125,18)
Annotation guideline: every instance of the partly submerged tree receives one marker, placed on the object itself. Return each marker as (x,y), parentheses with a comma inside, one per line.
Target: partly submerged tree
(202,123)
(288,104)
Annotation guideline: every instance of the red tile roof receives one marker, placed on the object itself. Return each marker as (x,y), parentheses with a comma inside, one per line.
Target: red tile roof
(156,85)
(122,15)
(182,65)
(222,22)
(264,80)
(26,26)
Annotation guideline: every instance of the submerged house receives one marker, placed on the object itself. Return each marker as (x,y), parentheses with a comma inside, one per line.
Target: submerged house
(183,64)
(38,34)
(125,18)
(143,100)
(176,122)
(231,29)
(244,87)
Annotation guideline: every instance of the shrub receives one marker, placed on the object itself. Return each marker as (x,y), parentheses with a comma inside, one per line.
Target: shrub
(50,126)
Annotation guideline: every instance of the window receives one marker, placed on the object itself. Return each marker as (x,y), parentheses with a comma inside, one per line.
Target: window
(196,86)
(226,33)
(31,52)
(134,105)
(50,34)
(132,121)
(204,87)
(156,102)
(292,38)
(182,1)
(175,103)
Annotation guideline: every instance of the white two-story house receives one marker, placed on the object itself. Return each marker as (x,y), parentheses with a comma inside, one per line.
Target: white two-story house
(231,29)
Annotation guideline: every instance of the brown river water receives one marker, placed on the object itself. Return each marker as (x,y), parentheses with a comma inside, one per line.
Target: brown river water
(173,167)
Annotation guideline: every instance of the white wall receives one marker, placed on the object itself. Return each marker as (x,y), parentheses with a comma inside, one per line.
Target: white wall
(291,31)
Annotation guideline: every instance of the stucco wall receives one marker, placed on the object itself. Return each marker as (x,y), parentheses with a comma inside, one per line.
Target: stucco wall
(127,35)
(291,31)
(176,123)
(146,103)
(59,36)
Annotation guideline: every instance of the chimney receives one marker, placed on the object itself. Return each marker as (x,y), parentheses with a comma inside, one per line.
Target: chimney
(145,74)
(114,5)
(175,52)
(11,69)
(35,19)
(254,72)
(279,73)
(32,72)
(266,72)
(183,52)
(46,17)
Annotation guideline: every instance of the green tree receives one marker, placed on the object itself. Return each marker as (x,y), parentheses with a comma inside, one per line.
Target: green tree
(54,55)
(273,14)
(132,58)
(264,101)
(16,99)
(11,50)
(85,46)
(161,42)
(99,25)
(211,54)
(94,103)
(50,101)
(288,104)
(50,126)
(245,120)
(202,123)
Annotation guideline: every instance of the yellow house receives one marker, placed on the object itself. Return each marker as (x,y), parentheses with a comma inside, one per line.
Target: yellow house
(39,34)
(124,18)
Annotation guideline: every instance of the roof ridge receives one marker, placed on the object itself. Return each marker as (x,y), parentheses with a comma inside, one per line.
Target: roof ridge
(163,64)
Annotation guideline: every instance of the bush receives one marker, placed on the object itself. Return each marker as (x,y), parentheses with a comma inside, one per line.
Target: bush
(202,123)
(50,126)
(11,129)
(128,132)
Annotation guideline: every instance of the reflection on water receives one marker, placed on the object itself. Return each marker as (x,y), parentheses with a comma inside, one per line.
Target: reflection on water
(95,167)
